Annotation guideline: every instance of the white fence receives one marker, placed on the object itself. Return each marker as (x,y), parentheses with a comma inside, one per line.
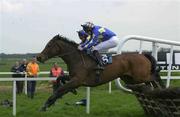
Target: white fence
(37,79)
(14,87)
(40,79)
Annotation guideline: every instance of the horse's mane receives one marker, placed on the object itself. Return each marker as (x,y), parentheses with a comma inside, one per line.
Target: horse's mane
(70,42)
(65,39)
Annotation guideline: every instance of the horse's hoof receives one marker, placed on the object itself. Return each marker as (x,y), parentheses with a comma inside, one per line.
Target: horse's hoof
(43,109)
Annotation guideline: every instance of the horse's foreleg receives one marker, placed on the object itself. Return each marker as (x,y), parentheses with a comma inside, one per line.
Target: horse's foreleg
(61,80)
(52,99)
(72,84)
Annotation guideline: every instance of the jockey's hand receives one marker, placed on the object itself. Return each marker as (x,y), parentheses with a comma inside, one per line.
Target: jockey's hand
(80,48)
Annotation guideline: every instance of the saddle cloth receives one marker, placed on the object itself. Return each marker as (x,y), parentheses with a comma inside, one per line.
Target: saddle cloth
(107,58)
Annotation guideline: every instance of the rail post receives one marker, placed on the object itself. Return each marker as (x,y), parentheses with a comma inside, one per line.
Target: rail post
(14,98)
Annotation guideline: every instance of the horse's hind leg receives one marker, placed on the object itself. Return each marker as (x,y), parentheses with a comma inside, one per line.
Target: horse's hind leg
(160,83)
(59,93)
(157,81)
(153,84)
(128,79)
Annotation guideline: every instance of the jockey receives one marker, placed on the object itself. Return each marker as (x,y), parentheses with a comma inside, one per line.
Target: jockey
(100,39)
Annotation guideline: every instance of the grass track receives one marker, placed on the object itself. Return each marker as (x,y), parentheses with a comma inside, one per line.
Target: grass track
(103,104)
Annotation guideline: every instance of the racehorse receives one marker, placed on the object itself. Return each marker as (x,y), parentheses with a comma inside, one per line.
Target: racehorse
(131,68)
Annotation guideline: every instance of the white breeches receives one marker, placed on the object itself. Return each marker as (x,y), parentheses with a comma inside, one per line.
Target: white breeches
(111,43)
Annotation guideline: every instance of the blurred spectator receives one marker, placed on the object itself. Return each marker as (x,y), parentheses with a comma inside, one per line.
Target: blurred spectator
(17,74)
(22,69)
(32,71)
(23,65)
(56,71)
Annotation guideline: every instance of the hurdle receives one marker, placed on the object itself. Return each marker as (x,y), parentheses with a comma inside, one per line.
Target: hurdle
(158,102)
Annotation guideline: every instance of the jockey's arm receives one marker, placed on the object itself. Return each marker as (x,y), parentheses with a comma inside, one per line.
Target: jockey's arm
(93,42)
(85,43)
(97,38)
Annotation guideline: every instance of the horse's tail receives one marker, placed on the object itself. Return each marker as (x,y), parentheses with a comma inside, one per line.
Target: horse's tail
(153,62)
(155,72)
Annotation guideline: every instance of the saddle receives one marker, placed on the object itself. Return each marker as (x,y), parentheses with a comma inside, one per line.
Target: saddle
(105,56)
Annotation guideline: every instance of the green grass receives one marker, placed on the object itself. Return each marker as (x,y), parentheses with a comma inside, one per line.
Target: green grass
(103,104)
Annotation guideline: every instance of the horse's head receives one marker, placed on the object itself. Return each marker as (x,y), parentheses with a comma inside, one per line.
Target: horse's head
(52,49)
(57,46)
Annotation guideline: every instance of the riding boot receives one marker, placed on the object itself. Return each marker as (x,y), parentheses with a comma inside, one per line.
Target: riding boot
(100,65)
(99,60)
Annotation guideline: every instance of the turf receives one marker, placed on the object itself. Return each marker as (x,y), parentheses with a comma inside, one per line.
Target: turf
(103,104)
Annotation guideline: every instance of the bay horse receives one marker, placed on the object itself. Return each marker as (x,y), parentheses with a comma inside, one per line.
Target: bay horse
(131,68)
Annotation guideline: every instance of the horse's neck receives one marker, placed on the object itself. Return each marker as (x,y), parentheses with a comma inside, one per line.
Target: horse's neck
(76,58)
(71,57)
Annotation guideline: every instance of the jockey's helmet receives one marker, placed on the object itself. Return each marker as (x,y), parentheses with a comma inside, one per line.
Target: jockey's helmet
(88,26)
(82,33)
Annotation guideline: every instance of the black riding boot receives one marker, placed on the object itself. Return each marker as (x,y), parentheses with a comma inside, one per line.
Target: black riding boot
(99,60)
(100,65)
